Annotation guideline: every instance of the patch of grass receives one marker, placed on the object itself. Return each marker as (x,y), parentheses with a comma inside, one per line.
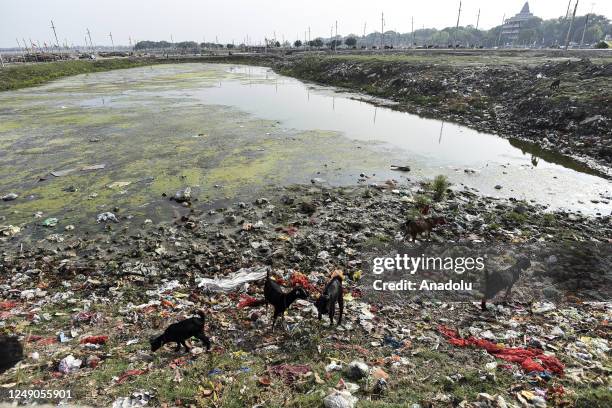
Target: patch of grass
(22,76)
(513,217)
(421,200)
(599,397)
(549,220)
(439,186)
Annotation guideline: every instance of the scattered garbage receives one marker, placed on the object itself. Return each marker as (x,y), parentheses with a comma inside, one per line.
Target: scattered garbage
(106,217)
(526,358)
(127,375)
(233,281)
(94,340)
(9,230)
(50,222)
(118,184)
(340,399)
(289,373)
(183,196)
(69,364)
(542,307)
(137,399)
(333,366)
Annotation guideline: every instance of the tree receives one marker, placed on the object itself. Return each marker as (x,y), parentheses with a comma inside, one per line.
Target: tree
(228,46)
(297,44)
(350,42)
(317,42)
(277,44)
(335,43)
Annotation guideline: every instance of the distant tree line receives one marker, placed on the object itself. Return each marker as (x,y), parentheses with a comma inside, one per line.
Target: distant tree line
(534,32)
(182,46)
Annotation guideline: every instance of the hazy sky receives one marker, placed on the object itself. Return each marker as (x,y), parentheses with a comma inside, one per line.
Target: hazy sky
(234,20)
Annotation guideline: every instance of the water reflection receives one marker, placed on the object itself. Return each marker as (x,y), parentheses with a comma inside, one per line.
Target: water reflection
(430,146)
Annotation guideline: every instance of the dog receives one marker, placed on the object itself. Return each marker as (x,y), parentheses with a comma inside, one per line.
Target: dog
(555,84)
(332,294)
(276,296)
(496,281)
(181,331)
(420,226)
(11,352)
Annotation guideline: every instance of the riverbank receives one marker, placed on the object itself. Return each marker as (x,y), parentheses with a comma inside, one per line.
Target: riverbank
(128,284)
(27,75)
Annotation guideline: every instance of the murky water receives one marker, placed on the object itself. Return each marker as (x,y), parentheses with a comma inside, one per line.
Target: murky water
(227,131)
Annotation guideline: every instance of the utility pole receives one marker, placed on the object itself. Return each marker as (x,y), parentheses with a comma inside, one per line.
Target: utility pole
(382,31)
(569,30)
(477,22)
(21,49)
(112,42)
(501,28)
(457,26)
(569,3)
(336,38)
(55,34)
(413,42)
(1,61)
(586,23)
(90,42)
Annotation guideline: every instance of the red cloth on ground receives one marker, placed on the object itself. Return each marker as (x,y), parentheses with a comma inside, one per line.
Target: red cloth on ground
(523,356)
(248,301)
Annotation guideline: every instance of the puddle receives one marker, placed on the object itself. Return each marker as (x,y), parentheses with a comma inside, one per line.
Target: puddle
(228,131)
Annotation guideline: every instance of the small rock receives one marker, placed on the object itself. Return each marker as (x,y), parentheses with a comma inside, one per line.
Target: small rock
(183,196)
(10,197)
(339,399)
(357,370)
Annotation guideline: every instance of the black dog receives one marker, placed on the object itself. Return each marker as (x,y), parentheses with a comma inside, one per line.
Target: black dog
(332,294)
(279,299)
(11,352)
(498,280)
(555,84)
(181,331)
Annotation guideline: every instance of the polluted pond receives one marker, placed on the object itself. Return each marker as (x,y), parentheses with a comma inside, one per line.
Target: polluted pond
(147,203)
(131,139)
